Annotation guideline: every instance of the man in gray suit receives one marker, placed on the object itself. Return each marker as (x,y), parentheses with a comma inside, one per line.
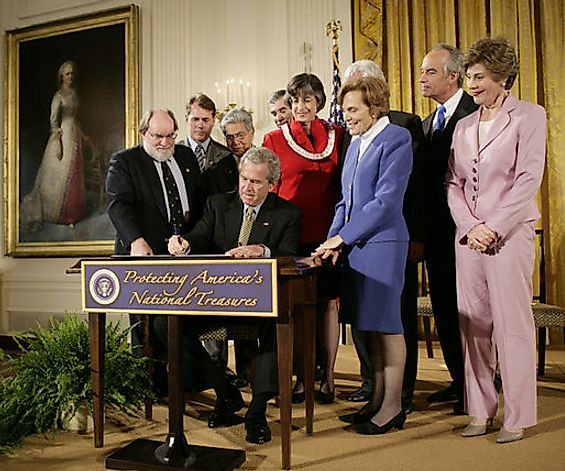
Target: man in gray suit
(216,162)
(219,173)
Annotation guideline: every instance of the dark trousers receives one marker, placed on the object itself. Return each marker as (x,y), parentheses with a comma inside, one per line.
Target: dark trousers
(409,314)
(244,349)
(158,350)
(440,264)
(201,372)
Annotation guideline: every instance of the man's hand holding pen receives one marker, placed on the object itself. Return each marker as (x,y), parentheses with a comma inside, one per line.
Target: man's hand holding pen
(177,245)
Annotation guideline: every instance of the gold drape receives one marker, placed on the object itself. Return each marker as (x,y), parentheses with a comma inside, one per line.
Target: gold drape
(397,34)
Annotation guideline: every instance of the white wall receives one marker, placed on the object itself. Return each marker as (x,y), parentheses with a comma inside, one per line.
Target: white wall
(186,46)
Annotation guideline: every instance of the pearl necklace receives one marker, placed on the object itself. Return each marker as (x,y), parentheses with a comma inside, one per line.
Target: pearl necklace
(303,152)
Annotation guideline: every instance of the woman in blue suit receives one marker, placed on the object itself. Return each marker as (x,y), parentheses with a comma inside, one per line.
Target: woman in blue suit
(369,231)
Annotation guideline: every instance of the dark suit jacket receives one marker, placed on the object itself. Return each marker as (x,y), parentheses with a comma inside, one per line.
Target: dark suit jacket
(277,225)
(415,207)
(135,200)
(438,148)
(220,175)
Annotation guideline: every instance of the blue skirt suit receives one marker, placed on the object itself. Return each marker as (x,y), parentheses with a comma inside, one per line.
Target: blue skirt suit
(369,219)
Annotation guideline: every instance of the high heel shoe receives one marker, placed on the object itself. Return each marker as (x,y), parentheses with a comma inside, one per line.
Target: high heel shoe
(298,397)
(325,397)
(356,417)
(476,430)
(369,428)
(506,436)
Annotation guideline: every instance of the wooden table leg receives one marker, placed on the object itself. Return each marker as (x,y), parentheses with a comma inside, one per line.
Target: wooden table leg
(175,453)
(148,353)
(97,337)
(175,449)
(308,328)
(284,355)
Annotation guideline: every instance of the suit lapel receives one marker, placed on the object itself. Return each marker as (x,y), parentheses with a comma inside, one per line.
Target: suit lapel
(263,222)
(427,125)
(148,165)
(465,106)
(215,153)
(500,122)
(233,218)
(472,137)
(352,157)
(188,166)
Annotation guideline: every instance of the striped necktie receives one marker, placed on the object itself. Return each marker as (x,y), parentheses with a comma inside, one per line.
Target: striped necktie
(200,156)
(246,226)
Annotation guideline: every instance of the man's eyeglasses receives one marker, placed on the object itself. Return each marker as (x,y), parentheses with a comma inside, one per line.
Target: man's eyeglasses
(240,136)
(160,137)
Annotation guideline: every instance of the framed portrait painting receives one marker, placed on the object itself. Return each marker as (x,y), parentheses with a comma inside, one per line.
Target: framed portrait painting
(71,102)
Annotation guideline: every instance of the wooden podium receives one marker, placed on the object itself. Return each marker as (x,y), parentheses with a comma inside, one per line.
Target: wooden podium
(295,305)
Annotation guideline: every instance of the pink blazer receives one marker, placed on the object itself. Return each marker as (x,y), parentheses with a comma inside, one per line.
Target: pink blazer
(497,183)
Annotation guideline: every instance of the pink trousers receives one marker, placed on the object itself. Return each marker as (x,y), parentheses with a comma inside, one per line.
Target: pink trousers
(494,297)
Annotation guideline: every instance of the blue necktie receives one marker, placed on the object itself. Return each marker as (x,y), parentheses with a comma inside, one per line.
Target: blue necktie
(440,121)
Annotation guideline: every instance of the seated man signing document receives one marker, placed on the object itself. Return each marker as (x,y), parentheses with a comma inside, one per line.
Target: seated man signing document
(251,223)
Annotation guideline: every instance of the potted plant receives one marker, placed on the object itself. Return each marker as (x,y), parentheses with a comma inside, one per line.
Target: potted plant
(51,377)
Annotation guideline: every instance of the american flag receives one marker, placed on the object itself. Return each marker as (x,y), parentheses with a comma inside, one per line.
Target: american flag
(336,116)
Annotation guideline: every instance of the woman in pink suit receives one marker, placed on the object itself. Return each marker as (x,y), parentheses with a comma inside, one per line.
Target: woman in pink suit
(495,171)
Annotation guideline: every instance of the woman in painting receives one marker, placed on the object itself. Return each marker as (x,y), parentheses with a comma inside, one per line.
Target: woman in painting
(58,194)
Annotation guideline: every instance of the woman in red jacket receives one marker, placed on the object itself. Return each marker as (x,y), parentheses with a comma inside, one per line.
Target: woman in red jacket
(308,149)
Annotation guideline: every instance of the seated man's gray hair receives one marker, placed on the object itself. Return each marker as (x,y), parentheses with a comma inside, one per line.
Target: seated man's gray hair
(262,155)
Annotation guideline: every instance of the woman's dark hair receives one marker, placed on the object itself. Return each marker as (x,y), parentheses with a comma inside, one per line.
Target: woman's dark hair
(307,84)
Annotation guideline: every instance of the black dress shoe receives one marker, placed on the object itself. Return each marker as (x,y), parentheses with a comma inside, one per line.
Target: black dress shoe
(224,412)
(241,382)
(258,431)
(319,373)
(363,394)
(459,408)
(448,394)
(326,397)
(355,417)
(369,428)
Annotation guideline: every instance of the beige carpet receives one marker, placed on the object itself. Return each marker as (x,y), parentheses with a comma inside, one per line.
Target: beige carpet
(430,440)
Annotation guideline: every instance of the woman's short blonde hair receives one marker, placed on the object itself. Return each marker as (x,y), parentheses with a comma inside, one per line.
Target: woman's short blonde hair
(497,55)
(375,94)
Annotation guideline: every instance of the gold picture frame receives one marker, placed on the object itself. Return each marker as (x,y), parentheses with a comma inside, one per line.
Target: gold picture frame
(72,100)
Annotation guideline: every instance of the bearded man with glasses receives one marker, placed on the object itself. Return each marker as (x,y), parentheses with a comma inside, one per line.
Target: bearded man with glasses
(152,193)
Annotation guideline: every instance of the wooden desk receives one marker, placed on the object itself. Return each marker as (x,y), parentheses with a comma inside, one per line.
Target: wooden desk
(296,304)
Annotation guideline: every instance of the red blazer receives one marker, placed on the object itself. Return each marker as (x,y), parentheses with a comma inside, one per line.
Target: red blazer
(311,185)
